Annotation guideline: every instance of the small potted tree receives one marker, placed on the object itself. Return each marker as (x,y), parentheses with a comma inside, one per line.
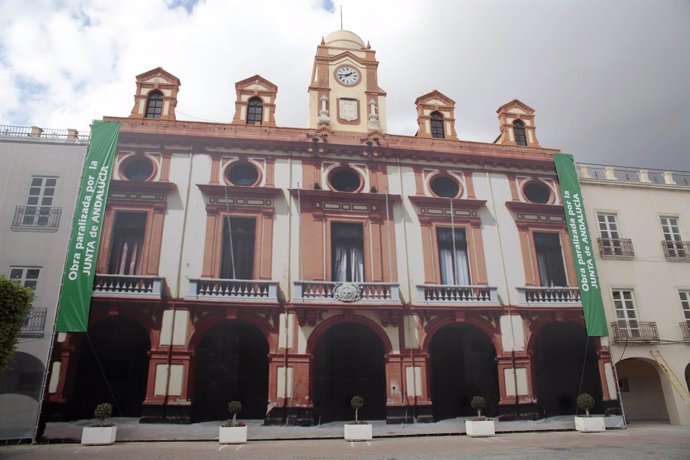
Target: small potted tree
(357,430)
(231,431)
(588,424)
(103,433)
(479,426)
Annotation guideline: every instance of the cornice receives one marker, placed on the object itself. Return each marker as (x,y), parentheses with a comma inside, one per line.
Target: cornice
(458,203)
(234,190)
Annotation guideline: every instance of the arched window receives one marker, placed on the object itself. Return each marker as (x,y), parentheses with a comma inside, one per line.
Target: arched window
(154,106)
(519,131)
(437,125)
(255,111)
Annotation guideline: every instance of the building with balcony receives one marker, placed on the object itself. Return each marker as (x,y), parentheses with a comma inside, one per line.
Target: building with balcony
(40,176)
(292,268)
(641,218)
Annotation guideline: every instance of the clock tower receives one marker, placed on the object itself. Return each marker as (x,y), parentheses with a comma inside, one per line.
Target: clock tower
(344,94)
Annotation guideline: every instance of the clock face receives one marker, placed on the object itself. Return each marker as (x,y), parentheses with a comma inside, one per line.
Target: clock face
(347,75)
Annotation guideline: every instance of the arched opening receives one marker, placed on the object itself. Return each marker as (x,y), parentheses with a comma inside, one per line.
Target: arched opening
(463,365)
(559,351)
(154,104)
(641,390)
(519,131)
(255,112)
(231,363)
(20,390)
(348,361)
(437,129)
(121,345)
(687,376)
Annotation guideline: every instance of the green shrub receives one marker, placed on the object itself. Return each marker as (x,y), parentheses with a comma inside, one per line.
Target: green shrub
(478,403)
(234,407)
(103,411)
(357,402)
(15,302)
(585,402)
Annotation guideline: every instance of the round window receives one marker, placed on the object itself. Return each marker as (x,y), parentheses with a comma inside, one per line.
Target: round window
(537,192)
(139,168)
(243,174)
(345,180)
(445,187)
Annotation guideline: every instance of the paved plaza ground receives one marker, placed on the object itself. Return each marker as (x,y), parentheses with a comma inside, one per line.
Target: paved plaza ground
(640,440)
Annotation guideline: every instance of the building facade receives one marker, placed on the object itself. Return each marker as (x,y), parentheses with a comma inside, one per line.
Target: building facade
(292,268)
(641,218)
(40,176)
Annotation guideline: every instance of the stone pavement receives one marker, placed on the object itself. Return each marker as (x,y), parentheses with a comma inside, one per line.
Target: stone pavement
(639,441)
(129,429)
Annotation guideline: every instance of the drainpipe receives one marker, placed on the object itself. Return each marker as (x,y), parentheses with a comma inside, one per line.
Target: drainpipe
(289,296)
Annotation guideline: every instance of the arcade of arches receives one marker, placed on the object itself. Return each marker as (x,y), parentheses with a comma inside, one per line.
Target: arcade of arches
(239,357)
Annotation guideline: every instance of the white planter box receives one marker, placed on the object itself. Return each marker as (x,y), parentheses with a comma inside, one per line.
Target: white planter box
(232,434)
(477,428)
(358,432)
(98,435)
(590,424)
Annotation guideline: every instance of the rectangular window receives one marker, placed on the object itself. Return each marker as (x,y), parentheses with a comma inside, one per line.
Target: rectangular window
(550,259)
(27,276)
(610,238)
(39,202)
(127,243)
(452,256)
(626,313)
(673,241)
(347,252)
(685,303)
(237,258)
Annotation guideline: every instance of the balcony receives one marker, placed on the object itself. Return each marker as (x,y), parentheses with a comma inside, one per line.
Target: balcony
(685,327)
(437,294)
(616,248)
(133,286)
(36,219)
(34,323)
(634,331)
(227,290)
(346,292)
(548,296)
(678,251)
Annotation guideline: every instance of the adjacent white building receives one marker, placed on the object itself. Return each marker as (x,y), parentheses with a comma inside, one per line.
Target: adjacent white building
(39,179)
(641,218)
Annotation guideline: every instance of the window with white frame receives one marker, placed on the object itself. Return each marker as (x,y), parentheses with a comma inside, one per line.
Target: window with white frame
(626,313)
(550,259)
(347,252)
(39,201)
(673,241)
(26,276)
(685,303)
(452,256)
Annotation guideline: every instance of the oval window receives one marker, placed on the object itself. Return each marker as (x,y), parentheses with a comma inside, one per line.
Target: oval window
(445,187)
(140,168)
(537,192)
(345,180)
(243,174)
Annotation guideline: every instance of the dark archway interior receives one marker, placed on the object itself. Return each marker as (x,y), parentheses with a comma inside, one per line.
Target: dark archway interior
(122,346)
(463,365)
(349,360)
(559,357)
(231,363)
(23,375)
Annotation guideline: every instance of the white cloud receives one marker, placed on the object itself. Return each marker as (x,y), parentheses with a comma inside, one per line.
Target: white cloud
(608,79)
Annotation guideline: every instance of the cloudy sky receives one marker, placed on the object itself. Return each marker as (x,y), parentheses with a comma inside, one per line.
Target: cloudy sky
(609,79)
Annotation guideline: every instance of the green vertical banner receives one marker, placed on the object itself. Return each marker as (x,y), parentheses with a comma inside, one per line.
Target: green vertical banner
(585,266)
(80,265)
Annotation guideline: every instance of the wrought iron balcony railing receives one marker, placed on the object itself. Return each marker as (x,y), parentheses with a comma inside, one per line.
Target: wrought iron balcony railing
(138,286)
(616,247)
(36,218)
(677,250)
(634,331)
(685,327)
(438,294)
(224,290)
(546,296)
(346,292)
(34,323)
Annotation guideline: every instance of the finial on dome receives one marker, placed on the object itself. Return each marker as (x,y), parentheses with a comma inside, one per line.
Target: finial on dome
(323,41)
(368,45)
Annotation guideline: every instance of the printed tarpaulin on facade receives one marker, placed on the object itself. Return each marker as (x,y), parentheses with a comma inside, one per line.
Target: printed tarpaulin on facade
(581,242)
(80,265)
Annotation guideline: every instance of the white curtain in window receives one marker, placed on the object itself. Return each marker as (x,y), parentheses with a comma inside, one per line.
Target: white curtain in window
(461,275)
(544,277)
(349,263)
